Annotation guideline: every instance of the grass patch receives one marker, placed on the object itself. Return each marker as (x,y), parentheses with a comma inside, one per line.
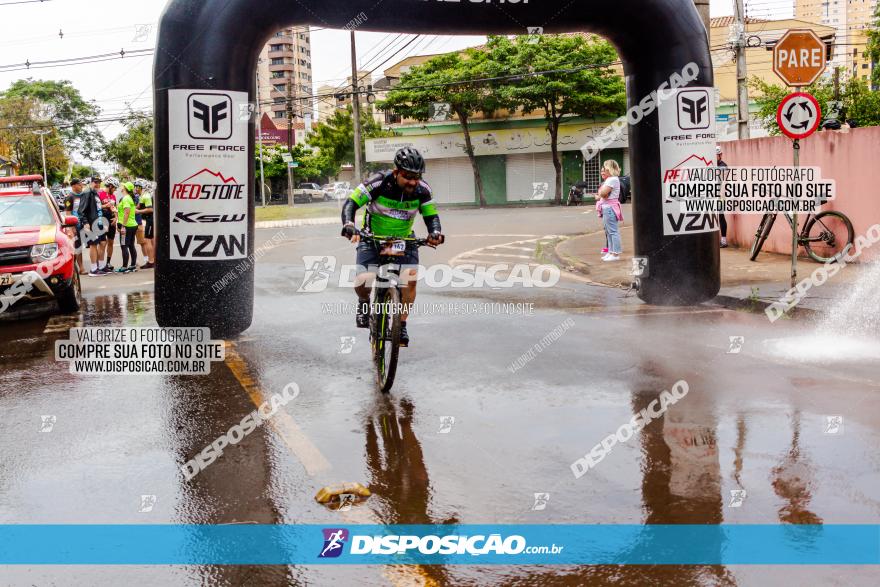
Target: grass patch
(299,211)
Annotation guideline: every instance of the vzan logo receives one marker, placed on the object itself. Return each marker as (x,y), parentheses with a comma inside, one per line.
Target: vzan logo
(693,109)
(209,116)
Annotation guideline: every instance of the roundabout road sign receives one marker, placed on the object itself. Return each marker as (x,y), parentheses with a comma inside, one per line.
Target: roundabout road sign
(798,115)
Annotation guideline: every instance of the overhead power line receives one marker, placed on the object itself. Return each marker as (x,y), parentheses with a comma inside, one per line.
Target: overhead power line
(22,2)
(121,54)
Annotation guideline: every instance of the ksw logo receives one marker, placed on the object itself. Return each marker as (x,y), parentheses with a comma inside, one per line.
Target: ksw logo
(693,109)
(209,116)
(195,217)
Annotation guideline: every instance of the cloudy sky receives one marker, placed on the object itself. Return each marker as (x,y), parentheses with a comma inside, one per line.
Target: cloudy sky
(61,29)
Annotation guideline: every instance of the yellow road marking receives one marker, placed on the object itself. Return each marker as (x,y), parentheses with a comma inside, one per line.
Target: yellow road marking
(294,437)
(314,462)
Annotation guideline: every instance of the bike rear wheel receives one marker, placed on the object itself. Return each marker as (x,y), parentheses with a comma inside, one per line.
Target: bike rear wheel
(385,325)
(826,236)
(761,235)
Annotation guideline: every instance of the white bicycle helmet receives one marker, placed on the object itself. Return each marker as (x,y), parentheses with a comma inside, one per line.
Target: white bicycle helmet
(111,182)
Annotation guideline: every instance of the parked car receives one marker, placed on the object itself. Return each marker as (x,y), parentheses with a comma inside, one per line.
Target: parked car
(36,256)
(308,192)
(339,190)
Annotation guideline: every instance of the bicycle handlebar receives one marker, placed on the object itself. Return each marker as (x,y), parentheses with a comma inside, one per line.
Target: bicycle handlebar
(418,242)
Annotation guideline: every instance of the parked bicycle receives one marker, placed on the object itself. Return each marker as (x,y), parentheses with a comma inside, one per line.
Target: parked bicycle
(385,305)
(824,236)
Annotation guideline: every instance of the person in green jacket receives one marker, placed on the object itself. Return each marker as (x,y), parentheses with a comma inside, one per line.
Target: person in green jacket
(127,228)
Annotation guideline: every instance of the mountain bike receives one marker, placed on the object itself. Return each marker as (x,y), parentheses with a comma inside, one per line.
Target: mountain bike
(385,305)
(824,236)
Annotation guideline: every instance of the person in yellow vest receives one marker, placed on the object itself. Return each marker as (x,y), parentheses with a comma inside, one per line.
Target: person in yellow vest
(127,228)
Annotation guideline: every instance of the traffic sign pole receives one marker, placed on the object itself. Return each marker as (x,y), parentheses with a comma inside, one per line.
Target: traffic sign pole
(799,58)
(794,220)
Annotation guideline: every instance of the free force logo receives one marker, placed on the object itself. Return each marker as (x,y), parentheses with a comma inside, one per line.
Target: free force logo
(334,542)
(693,109)
(209,116)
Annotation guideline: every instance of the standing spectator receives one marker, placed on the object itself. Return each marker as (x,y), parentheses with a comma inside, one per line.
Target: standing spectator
(145,207)
(722,220)
(90,215)
(128,229)
(108,208)
(71,208)
(135,196)
(608,208)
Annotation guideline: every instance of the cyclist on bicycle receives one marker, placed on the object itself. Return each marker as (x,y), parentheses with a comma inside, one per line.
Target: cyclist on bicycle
(393,199)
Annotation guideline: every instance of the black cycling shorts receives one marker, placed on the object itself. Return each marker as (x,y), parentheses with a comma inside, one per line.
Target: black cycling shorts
(111,230)
(93,225)
(148,227)
(368,255)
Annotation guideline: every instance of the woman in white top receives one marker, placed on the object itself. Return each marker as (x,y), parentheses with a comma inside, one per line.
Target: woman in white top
(609,194)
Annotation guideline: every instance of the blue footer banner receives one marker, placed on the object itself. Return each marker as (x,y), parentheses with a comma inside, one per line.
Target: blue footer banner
(736,544)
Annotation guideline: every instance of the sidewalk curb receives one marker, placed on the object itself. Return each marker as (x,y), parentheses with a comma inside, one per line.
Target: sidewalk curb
(576,265)
(731,302)
(297,222)
(759,306)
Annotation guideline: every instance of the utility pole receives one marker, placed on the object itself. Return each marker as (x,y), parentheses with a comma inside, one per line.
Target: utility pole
(259,127)
(43,133)
(703,10)
(742,88)
(290,136)
(356,112)
(836,83)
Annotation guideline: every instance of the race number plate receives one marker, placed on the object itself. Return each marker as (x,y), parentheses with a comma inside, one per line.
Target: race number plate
(6,279)
(394,249)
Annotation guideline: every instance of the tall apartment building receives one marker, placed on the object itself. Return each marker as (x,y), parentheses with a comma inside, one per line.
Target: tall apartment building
(851,18)
(332,98)
(286,59)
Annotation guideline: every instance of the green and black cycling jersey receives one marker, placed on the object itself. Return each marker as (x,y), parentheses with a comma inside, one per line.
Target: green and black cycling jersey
(391,212)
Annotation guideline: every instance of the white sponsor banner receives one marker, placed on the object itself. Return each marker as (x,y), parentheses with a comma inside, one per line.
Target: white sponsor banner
(687,139)
(495,142)
(208,173)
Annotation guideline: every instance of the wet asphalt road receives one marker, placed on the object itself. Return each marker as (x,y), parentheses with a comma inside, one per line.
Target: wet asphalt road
(753,420)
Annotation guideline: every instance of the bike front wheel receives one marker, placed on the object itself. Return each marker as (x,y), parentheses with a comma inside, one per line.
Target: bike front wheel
(761,235)
(385,326)
(826,236)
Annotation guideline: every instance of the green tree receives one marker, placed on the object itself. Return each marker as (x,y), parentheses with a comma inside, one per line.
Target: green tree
(862,105)
(334,140)
(448,79)
(83,171)
(17,133)
(74,116)
(873,48)
(133,149)
(586,86)
(312,166)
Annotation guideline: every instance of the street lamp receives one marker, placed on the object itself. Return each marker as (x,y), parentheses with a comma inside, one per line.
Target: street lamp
(43,112)
(43,133)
